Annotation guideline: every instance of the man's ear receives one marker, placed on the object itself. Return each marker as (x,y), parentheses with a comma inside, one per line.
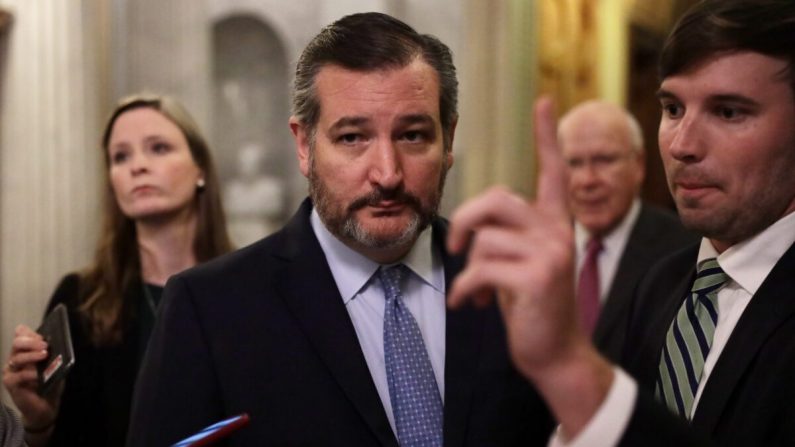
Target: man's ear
(301,144)
(449,160)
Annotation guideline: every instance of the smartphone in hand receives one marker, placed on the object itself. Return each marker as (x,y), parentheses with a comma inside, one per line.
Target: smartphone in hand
(60,352)
(215,432)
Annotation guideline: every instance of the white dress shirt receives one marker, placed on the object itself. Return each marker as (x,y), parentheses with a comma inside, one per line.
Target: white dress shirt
(612,248)
(361,291)
(747,263)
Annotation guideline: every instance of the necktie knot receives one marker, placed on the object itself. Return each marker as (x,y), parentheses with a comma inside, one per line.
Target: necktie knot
(390,278)
(709,277)
(593,247)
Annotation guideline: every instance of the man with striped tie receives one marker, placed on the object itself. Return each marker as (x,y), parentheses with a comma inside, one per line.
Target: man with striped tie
(711,345)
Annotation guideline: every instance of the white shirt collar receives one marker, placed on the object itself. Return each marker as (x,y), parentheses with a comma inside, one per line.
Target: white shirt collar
(352,270)
(749,262)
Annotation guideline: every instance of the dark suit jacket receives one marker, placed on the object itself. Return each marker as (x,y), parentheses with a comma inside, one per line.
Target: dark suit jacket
(656,234)
(749,399)
(264,331)
(95,404)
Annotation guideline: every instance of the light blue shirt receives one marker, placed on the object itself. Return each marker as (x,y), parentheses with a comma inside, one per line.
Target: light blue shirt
(363,296)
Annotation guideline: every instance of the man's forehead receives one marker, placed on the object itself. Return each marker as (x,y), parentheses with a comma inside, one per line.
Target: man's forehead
(402,92)
(727,73)
(417,76)
(595,137)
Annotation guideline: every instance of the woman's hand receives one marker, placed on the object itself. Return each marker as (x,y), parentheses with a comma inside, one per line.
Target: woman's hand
(20,378)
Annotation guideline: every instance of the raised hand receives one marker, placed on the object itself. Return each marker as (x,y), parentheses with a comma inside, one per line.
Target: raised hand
(21,380)
(523,252)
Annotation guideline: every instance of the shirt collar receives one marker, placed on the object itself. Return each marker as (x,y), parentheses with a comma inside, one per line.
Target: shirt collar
(352,270)
(749,262)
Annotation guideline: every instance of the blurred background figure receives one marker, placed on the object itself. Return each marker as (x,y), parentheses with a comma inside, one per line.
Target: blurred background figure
(618,237)
(162,214)
(254,200)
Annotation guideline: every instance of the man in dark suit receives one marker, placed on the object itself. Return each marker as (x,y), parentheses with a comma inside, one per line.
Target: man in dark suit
(326,332)
(712,330)
(617,236)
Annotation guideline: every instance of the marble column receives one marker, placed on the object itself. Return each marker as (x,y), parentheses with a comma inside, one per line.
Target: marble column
(51,92)
(498,85)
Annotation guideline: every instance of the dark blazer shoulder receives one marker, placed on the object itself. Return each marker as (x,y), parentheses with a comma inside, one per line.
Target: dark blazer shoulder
(748,397)
(667,223)
(656,233)
(66,293)
(655,302)
(94,406)
(291,240)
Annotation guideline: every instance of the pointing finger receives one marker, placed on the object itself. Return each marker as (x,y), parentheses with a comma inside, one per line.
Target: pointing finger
(552,178)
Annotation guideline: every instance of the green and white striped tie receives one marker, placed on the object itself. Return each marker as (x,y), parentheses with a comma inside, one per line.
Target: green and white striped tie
(689,340)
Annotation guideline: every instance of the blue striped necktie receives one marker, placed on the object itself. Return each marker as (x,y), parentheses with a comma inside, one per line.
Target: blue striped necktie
(416,403)
(689,340)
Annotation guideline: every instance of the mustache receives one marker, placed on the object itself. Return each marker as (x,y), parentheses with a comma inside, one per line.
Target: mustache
(689,174)
(399,195)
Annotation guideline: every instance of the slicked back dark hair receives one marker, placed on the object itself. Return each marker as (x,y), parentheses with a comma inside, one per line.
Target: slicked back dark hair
(367,42)
(723,26)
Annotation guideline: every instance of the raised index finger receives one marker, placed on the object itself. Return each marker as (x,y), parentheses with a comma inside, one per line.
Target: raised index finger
(552,178)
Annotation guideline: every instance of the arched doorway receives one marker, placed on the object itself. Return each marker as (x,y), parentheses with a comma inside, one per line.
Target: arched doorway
(251,137)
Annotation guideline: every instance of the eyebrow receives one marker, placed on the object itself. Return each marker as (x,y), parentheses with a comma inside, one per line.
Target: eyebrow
(155,138)
(346,121)
(720,97)
(418,118)
(734,98)
(664,94)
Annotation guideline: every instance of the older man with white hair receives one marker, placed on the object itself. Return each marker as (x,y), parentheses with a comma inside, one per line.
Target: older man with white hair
(618,237)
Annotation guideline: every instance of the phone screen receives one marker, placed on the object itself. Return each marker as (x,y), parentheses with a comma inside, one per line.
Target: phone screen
(214,432)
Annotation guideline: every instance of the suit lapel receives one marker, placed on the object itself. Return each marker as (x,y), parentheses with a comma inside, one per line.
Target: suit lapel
(318,307)
(310,292)
(655,315)
(629,269)
(769,307)
(463,335)
(461,359)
